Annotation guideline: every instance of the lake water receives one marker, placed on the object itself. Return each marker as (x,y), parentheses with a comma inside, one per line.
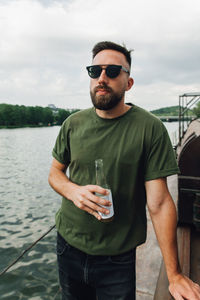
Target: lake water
(27,210)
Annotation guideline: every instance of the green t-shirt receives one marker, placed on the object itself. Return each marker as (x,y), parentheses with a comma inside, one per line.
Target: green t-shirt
(135,147)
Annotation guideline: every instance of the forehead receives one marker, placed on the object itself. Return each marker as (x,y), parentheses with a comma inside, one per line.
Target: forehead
(110,57)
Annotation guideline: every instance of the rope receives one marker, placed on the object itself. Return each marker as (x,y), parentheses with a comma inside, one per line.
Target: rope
(58,292)
(26,250)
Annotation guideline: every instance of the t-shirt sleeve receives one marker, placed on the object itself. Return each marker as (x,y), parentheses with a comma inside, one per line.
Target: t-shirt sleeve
(160,159)
(61,150)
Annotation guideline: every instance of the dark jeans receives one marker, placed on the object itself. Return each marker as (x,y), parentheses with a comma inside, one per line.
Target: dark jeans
(91,277)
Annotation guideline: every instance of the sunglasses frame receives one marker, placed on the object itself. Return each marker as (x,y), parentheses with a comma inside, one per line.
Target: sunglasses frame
(106,67)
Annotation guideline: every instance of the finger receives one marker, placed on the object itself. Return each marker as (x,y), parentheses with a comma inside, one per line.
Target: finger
(97,199)
(197,290)
(92,212)
(177,296)
(197,286)
(100,200)
(96,207)
(97,189)
(95,214)
(85,204)
(95,195)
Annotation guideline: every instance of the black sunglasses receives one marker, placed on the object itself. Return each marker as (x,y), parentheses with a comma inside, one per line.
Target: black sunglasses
(112,71)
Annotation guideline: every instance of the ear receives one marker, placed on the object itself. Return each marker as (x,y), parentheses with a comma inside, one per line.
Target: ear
(130,83)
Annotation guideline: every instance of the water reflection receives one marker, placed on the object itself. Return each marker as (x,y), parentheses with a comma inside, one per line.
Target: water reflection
(27,210)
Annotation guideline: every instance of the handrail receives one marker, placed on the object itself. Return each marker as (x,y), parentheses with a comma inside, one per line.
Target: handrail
(186,101)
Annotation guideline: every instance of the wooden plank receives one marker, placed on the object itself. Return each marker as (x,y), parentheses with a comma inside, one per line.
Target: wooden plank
(195,256)
(183,238)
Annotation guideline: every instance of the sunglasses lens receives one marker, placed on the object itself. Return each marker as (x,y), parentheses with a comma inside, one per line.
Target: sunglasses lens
(113,71)
(94,71)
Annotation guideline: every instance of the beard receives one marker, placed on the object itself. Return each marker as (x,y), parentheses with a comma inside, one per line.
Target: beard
(108,101)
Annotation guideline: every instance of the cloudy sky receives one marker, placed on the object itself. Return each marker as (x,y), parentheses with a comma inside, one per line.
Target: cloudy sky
(46,44)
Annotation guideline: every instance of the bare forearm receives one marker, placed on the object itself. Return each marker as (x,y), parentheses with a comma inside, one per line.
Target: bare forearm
(165,221)
(61,183)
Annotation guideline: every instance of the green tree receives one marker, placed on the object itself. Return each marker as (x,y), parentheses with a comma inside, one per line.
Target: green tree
(7,114)
(48,116)
(196,110)
(16,115)
(62,115)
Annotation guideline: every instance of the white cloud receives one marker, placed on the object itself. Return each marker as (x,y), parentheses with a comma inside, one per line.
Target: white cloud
(45,46)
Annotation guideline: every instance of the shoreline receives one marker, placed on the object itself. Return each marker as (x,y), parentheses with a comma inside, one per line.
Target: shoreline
(26,126)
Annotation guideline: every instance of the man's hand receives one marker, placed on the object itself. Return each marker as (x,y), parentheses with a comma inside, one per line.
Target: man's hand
(84,198)
(181,288)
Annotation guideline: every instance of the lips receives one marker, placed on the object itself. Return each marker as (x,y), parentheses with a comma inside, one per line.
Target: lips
(102,90)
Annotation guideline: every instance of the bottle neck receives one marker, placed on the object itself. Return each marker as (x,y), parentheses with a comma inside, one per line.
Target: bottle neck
(100,176)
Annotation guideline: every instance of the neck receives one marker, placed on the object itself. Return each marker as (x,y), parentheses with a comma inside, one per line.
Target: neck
(115,112)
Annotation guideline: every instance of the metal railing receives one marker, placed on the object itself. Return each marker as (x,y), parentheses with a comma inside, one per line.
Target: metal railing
(186,101)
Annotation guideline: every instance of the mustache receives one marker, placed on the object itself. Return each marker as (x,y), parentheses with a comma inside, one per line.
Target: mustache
(104,87)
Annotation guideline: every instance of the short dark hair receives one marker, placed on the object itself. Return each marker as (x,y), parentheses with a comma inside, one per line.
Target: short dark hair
(107,45)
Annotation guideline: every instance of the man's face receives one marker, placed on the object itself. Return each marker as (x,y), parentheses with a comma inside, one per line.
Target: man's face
(107,92)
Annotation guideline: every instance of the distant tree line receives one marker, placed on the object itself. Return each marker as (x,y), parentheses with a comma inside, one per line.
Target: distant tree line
(20,115)
(167,111)
(174,111)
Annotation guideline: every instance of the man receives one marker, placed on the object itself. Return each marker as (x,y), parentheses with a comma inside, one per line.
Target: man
(96,259)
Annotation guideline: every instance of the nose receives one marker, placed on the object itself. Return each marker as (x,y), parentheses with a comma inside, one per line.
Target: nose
(103,78)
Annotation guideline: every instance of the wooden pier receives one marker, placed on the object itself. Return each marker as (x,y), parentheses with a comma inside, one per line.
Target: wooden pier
(152,282)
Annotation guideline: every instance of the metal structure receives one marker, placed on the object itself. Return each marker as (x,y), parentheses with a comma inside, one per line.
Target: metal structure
(186,101)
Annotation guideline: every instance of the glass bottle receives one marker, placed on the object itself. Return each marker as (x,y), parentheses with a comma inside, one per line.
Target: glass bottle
(101,181)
